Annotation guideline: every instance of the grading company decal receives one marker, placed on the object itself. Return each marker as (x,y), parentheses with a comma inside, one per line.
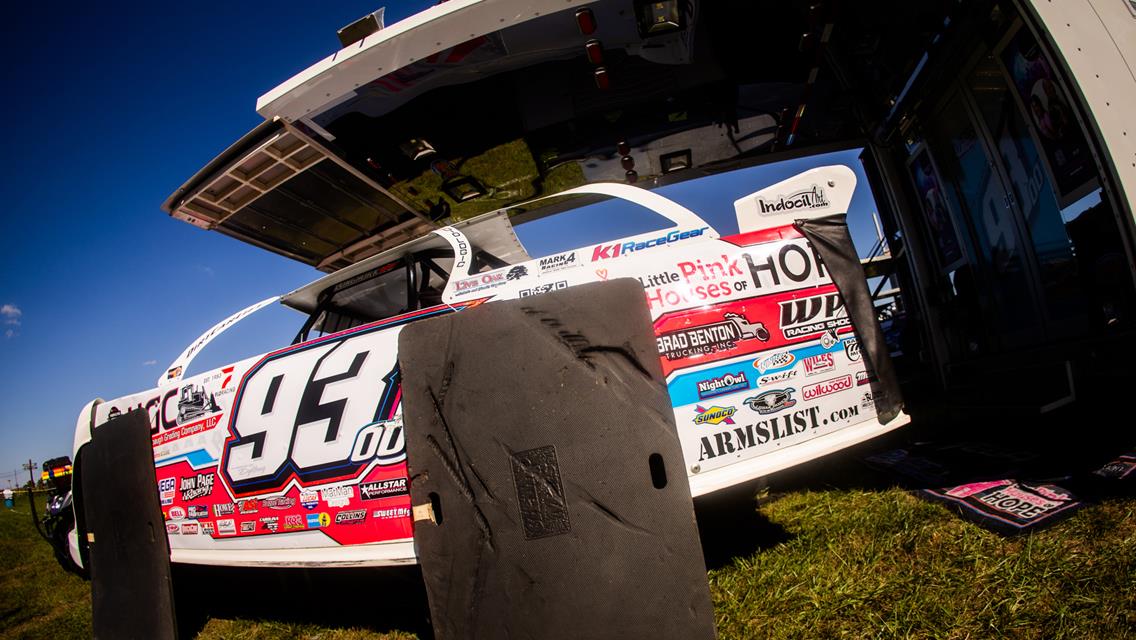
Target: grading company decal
(710,338)
(319,413)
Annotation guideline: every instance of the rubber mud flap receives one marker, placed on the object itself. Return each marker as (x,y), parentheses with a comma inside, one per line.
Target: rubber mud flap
(131,595)
(550,495)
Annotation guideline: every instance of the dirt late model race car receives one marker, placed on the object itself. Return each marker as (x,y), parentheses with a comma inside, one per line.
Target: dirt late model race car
(297,457)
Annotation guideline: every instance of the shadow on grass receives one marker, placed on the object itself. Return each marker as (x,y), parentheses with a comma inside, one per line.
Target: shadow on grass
(377,599)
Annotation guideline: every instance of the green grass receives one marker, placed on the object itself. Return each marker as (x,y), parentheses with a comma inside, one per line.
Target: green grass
(849,564)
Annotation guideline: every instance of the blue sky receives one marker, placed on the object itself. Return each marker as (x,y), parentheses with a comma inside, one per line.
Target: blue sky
(109,109)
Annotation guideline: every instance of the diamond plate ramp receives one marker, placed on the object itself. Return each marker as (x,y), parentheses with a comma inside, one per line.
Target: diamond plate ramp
(550,495)
(129,556)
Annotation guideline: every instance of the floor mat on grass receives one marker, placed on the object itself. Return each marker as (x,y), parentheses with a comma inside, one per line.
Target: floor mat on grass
(1007,507)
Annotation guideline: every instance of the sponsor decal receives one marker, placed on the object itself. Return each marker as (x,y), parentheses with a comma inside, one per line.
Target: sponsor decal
(278,503)
(269,523)
(517,272)
(294,521)
(248,526)
(811,198)
(317,520)
(829,339)
(772,401)
(867,401)
(248,506)
(338,496)
(177,513)
(197,511)
(479,282)
(753,435)
(383,489)
(166,489)
(700,282)
(805,317)
(190,429)
(393,512)
(207,528)
(852,349)
(863,378)
(558,262)
(190,529)
(776,378)
(710,338)
(224,509)
(198,486)
(714,415)
(309,499)
(608,251)
(818,364)
(779,360)
(834,385)
(173,527)
(543,288)
(461,260)
(226,527)
(601,274)
(789,264)
(728,383)
(354,516)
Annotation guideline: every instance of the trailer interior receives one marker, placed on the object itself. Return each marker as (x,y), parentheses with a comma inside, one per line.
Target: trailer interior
(1006,280)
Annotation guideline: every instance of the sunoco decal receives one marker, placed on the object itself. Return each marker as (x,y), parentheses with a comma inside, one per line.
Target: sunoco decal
(714,415)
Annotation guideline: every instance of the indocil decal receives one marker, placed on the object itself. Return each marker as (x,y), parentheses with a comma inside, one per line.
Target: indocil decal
(740,327)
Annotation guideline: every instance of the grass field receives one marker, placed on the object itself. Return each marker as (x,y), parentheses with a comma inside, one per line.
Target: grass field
(826,562)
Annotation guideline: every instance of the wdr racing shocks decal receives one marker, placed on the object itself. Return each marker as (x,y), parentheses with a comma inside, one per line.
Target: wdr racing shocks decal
(316,414)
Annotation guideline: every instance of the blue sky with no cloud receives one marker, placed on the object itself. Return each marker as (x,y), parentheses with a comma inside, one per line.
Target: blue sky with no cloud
(108,109)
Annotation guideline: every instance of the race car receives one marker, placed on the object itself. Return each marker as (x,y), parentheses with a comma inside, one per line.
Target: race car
(297,457)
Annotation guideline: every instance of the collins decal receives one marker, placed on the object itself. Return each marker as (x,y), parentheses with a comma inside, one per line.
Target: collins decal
(711,338)
(728,383)
(714,415)
(772,401)
(351,517)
